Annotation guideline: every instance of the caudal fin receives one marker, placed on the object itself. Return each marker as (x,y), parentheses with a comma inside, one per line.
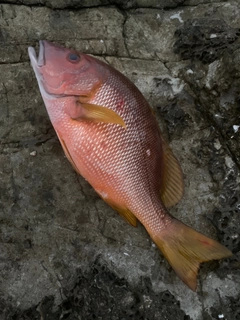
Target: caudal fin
(185,249)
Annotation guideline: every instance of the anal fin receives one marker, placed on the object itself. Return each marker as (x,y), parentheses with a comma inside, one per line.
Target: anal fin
(125,213)
(172,185)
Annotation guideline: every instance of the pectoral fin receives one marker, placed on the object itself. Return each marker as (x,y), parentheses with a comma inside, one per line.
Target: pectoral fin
(84,111)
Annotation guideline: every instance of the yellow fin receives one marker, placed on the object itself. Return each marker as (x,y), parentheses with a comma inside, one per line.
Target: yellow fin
(185,249)
(96,113)
(67,154)
(172,185)
(125,213)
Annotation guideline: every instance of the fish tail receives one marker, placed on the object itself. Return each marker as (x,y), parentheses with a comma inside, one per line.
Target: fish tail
(185,249)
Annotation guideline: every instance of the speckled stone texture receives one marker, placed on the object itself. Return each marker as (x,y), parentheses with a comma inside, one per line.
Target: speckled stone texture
(64,254)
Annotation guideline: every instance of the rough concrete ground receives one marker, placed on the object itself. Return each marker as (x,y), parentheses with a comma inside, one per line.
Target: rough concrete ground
(64,254)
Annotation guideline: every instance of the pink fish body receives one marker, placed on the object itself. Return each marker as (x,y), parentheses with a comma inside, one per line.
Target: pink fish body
(111,137)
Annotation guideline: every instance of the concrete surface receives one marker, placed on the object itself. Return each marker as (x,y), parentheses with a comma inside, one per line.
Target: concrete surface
(64,254)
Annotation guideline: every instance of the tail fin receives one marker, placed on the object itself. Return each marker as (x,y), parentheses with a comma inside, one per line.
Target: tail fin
(185,249)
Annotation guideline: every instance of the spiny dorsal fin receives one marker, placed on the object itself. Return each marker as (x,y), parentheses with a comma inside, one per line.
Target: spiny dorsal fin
(172,185)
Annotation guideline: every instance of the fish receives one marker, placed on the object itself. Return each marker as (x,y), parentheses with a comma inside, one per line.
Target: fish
(110,135)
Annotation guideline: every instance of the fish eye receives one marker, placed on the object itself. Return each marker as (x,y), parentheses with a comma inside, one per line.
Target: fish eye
(73,57)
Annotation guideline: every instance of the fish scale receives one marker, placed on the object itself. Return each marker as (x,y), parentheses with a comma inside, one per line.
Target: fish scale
(111,137)
(121,150)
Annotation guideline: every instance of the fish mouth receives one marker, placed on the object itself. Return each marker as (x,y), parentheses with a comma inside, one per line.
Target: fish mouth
(40,61)
(37,63)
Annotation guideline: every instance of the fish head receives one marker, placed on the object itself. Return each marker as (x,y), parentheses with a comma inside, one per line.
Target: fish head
(68,82)
(65,72)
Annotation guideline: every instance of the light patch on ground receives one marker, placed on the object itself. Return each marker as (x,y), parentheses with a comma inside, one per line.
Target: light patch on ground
(217,145)
(235,128)
(177,16)
(211,75)
(214,289)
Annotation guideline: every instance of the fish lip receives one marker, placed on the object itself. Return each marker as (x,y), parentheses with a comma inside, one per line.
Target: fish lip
(41,56)
(40,60)
(32,55)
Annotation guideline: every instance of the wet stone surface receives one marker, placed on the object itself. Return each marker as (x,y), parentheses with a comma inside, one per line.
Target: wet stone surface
(64,253)
(100,294)
(205,39)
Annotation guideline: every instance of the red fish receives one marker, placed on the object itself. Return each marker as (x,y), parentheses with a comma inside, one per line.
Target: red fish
(110,135)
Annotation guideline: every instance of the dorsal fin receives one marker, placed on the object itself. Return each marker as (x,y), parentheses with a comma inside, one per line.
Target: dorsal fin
(172,185)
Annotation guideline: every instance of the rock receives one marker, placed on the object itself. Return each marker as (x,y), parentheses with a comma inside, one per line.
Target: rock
(64,253)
